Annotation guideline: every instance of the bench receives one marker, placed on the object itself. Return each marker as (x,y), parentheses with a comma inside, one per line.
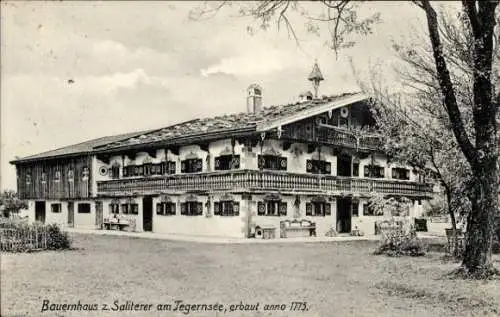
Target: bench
(297,228)
(119,223)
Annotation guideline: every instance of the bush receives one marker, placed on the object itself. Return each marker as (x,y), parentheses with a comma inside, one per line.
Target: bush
(57,239)
(397,242)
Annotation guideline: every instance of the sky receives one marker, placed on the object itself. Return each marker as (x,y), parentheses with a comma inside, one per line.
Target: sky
(74,71)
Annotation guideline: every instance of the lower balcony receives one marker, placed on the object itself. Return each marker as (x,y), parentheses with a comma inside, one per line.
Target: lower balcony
(258,181)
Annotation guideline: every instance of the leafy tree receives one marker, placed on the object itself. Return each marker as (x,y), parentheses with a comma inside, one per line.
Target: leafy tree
(10,203)
(477,144)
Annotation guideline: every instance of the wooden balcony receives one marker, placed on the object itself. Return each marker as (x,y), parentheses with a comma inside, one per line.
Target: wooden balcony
(361,141)
(257,181)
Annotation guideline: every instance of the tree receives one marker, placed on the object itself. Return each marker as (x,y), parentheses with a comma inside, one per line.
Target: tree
(479,147)
(10,203)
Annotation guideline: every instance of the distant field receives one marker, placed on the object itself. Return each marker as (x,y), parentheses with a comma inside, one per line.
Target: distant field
(335,279)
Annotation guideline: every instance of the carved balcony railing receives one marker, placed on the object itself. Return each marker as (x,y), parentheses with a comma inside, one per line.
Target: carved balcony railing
(254,180)
(359,140)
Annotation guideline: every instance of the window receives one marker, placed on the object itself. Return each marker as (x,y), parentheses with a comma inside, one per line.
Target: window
(169,167)
(271,208)
(191,166)
(84,208)
(56,208)
(401,173)
(368,210)
(318,209)
(153,169)
(226,208)
(227,162)
(318,167)
(114,208)
(355,169)
(191,208)
(71,175)
(272,162)
(28,179)
(165,209)
(115,171)
(355,209)
(57,176)
(44,177)
(85,173)
(374,171)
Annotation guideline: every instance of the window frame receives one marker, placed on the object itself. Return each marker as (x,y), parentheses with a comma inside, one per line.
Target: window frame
(265,161)
(166,209)
(57,210)
(321,167)
(232,162)
(79,209)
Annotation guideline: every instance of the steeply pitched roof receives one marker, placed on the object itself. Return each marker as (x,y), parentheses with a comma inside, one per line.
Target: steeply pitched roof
(79,148)
(267,118)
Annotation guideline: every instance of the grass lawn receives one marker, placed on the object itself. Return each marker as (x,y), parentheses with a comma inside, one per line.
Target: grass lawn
(335,279)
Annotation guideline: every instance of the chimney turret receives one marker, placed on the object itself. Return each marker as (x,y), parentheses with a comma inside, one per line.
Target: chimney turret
(254,98)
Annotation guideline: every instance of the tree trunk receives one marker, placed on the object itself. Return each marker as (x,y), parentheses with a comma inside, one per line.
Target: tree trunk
(481,221)
(453,222)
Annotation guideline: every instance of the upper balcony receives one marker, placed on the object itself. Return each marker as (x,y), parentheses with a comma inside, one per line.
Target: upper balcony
(258,181)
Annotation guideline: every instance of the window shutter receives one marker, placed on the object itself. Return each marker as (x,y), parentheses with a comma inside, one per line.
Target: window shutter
(199,165)
(309,166)
(217,211)
(172,209)
(283,209)
(159,209)
(124,209)
(236,208)
(381,171)
(366,171)
(262,161)
(171,169)
(217,163)
(309,209)
(135,209)
(236,162)
(183,208)
(261,208)
(199,208)
(328,210)
(283,163)
(111,208)
(328,168)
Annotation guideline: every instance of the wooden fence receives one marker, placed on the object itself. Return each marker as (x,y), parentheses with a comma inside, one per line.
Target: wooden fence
(20,239)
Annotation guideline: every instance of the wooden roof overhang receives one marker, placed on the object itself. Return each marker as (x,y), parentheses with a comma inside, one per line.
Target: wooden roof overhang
(179,141)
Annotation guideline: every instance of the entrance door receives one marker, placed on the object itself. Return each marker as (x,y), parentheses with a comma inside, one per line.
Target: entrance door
(71,214)
(98,214)
(147,213)
(344,215)
(40,211)
(344,165)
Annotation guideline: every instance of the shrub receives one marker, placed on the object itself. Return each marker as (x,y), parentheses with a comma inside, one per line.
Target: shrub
(397,242)
(57,239)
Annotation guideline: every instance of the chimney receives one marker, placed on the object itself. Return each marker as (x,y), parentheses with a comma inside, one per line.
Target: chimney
(306,96)
(254,98)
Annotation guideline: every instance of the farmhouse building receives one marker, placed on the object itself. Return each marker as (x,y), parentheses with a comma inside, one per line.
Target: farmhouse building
(314,160)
